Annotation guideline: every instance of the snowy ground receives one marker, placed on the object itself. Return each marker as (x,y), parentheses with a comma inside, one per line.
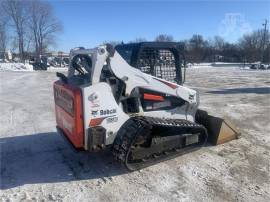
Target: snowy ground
(37,165)
(15,67)
(26,67)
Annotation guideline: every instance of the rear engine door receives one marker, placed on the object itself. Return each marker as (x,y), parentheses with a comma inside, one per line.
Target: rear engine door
(68,110)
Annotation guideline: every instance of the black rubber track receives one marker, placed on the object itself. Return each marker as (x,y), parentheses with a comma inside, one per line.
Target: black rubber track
(137,126)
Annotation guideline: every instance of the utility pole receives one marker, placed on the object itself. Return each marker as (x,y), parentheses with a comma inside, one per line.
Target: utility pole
(264,37)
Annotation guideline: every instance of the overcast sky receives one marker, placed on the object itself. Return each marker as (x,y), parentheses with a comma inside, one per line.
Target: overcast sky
(89,23)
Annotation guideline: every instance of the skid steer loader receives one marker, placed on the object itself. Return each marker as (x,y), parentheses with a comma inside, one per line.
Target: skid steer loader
(131,97)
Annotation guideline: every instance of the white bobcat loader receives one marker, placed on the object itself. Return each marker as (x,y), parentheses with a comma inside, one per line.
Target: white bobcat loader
(132,98)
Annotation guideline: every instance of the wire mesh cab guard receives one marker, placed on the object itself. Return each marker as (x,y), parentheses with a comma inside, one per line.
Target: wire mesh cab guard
(160,59)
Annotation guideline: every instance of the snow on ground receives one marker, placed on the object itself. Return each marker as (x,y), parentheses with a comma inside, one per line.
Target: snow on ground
(15,67)
(27,67)
(38,165)
(199,65)
(216,64)
(57,69)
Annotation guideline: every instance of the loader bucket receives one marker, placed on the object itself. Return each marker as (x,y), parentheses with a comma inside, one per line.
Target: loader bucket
(219,130)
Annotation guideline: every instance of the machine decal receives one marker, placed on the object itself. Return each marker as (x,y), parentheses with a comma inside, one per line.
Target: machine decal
(103,112)
(95,105)
(94,112)
(107,111)
(93,98)
(173,86)
(112,119)
(98,121)
(153,97)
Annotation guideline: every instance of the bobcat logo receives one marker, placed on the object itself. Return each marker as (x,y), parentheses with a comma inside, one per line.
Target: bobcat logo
(94,112)
(93,98)
(107,111)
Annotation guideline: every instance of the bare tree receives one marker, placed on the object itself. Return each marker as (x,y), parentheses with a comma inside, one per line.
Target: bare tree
(251,45)
(43,25)
(218,43)
(214,49)
(3,38)
(113,43)
(3,31)
(138,40)
(164,37)
(16,10)
(197,48)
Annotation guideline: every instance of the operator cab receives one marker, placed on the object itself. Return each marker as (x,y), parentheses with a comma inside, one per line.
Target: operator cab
(160,59)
